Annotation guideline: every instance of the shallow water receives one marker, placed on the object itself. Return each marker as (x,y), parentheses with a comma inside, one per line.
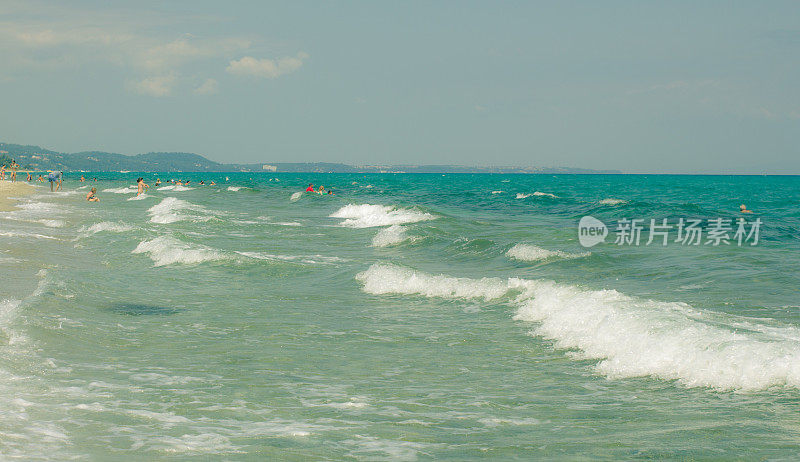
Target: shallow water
(405,317)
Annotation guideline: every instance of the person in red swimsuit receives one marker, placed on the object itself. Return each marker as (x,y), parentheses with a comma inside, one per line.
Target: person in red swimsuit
(310,187)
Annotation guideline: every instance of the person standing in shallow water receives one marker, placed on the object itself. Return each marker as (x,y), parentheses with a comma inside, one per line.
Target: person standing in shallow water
(141,185)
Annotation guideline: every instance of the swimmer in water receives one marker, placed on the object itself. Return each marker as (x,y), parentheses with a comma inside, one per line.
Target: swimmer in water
(92,196)
(158,182)
(82,179)
(141,185)
(212,183)
(743,209)
(310,187)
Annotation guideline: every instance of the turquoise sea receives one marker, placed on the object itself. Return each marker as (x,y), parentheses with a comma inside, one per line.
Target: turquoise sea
(405,317)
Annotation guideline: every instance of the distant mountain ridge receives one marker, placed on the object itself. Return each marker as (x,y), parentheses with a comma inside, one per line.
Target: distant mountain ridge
(38,158)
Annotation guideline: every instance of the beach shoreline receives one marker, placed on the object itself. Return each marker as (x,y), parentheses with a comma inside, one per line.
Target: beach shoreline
(10,190)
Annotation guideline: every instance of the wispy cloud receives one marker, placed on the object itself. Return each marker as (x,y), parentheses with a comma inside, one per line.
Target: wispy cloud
(209,87)
(154,86)
(158,60)
(266,68)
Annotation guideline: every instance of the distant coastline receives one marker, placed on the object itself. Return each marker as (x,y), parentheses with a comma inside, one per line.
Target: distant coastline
(38,158)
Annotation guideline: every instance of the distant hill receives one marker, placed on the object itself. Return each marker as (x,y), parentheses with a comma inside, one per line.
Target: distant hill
(37,158)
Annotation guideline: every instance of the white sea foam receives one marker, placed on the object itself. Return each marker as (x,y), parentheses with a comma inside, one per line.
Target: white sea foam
(296,196)
(369,215)
(306,259)
(139,197)
(498,192)
(536,194)
(24,234)
(529,252)
(612,201)
(52,223)
(539,193)
(125,190)
(107,226)
(392,235)
(234,188)
(628,336)
(165,250)
(172,209)
(174,187)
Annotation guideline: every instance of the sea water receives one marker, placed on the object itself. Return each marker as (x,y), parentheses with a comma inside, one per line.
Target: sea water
(405,317)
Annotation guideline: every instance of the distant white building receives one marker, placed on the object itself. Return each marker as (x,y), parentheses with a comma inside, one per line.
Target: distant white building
(269,168)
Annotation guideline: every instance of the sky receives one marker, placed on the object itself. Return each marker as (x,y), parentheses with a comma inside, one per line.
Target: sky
(638,86)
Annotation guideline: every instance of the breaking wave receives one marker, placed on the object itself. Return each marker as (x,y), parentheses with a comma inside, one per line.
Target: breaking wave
(125,190)
(369,215)
(529,252)
(628,336)
(392,235)
(172,209)
(165,250)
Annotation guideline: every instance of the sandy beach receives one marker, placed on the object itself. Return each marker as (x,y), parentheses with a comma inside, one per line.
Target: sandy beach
(10,190)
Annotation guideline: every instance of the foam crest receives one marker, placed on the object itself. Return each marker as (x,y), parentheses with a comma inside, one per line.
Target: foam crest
(165,250)
(139,197)
(171,210)
(125,190)
(234,188)
(382,279)
(630,337)
(174,187)
(107,226)
(369,215)
(612,201)
(296,196)
(392,235)
(529,252)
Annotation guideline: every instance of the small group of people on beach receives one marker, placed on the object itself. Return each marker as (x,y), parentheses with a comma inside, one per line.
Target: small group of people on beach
(12,171)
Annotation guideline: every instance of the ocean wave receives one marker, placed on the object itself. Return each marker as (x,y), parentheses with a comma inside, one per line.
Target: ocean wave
(50,223)
(106,226)
(296,196)
(165,250)
(307,259)
(234,188)
(392,235)
(369,215)
(33,235)
(124,190)
(139,197)
(174,187)
(529,252)
(536,194)
(498,192)
(628,336)
(612,201)
(172,209)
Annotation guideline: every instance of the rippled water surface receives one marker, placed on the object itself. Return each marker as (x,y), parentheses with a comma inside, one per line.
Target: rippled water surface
(405,317)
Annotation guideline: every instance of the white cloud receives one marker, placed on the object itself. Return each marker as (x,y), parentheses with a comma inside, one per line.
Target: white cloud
(209,87)
(154,86)
(268,68)
(146,47)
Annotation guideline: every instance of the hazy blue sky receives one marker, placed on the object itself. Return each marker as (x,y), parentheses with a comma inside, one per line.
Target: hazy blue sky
(636,86)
